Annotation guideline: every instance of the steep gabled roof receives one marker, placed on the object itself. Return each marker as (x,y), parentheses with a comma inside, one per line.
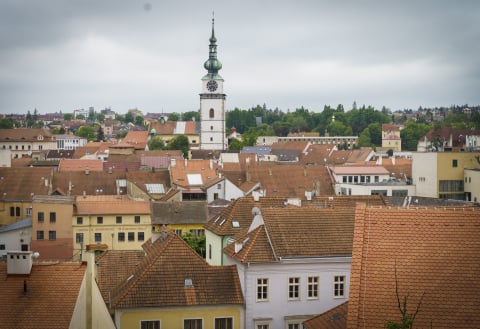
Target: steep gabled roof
(26,135)
(429,251)
(191,212)
(173,274)
(296,232)
(335,318)
(137,139)
(110,204)
(21,183)
(52,292)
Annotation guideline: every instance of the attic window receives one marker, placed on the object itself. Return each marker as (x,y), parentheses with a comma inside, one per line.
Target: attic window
(223,221)
(188,283)
(194,179)
(216,219)
(235,224)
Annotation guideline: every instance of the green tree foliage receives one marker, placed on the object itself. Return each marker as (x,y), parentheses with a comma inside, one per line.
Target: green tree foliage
(197,243)
(156,143)
(174,117)
(68,116)
(235,144)
(87,132)
(189,116)
(100,135)
(375,133)
(337,128)
(7,123)
(364,140)
(412,133)
(101,117)
(180,143)
(80,117)
(138,120)
(129,117)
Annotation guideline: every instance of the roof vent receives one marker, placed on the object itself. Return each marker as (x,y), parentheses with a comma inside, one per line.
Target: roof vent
(19,262)
(188,283)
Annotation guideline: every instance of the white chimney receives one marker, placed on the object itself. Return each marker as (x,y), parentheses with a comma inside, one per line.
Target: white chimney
(46,182)
(20,262)
(211,164)
(173,163)
(186,163)
(87,171)
(238,246)
(308,195)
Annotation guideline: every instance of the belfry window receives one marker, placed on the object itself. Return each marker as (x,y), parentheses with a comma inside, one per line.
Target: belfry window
(212,113)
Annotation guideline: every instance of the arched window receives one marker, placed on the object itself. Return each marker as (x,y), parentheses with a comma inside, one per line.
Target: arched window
(17,211)
(212,113)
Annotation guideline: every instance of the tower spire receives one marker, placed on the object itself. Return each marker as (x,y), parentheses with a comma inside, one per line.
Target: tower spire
(212,65)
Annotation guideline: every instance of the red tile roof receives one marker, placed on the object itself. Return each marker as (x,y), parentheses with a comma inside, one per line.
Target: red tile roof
(335,318)
(110,204)
(80,165)
(26,135)
(23,182)
(52,292)
(168,263)
(434,252)
(137,139)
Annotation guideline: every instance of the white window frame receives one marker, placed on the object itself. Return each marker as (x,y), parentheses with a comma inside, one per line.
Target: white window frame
(186,319)
(339,284)
(263,324)
(294,288)
(313,284)
(223,317)
(264,285)
(293,322)
(153,321)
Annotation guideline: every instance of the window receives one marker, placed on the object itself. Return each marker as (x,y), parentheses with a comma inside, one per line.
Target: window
(79,220)
(99,220)
(140,236)
(178,232)
(52,235)
(39,235)
(2,247)
(209,251)
(211,114)
(150,324)
(313,287)
(211,127)
(131,236)
(454,163)
(262,289)
(224,323)
(211,139)
(137,219)
(53,217)
(41,217)
(98,237)
(219,186)
(294,325)
(119,219)
(344,179)
(17,211)
(121,236)
(192,324)
(294,288)
(28,211)
(339,286)
(262,325)
(79,237)
(12,211)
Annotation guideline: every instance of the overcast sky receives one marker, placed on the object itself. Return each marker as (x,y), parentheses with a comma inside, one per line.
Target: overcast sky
(66,55)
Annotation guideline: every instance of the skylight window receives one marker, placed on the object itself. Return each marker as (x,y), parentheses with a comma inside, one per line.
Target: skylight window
(194,179)
(235,224)
(223,221)
(155,188)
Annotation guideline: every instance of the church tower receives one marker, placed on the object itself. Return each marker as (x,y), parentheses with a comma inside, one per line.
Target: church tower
(212,102)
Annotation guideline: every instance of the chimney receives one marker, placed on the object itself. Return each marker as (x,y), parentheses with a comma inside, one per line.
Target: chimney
(173,163)
(211,164)
(84,194)
(87,171)
(110,170)
(20,262)
(46,182)
(186,163)
(256,196)
(308,195)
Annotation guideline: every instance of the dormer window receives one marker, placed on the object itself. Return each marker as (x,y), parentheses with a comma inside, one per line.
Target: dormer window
(40,137)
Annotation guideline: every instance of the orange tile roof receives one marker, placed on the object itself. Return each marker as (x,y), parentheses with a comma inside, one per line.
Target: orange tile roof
(205,168)
(329,232)
(335,318)
(80,165)
(22,183)
(435,254)
(359,170)
(110,204)
(25,135)
(137,139)
(52,292)
(165,128)
(77,182)
(169,261)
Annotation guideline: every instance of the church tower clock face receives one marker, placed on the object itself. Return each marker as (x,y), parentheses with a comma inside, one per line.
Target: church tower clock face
(212,85)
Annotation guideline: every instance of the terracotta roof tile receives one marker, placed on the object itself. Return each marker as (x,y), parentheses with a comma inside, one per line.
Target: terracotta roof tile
(22,183)
(206,169)
(137,139)
(434,252)
(77,182)
(335,318)
(25,135)
(110,204)
(169,263)
(191,212)
(52,287)
(80,165)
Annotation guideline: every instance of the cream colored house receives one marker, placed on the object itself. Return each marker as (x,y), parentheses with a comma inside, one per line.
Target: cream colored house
(472,184)
(391,138)
(441,174)
(110,222)
(22,142)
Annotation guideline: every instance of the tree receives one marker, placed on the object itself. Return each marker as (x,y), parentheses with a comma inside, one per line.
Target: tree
(100,135)
(197,243)
(86,132)
(412,133)
(101,117)
(6,123)
(80,117)
(138,120)
(364,139)
(180,143)
(129,117)
(174,117)
(235,144)
(189,116)
(407,319)
(156,143)
(68,116)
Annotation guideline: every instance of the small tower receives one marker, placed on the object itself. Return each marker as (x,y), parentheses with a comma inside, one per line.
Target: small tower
(212,102)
